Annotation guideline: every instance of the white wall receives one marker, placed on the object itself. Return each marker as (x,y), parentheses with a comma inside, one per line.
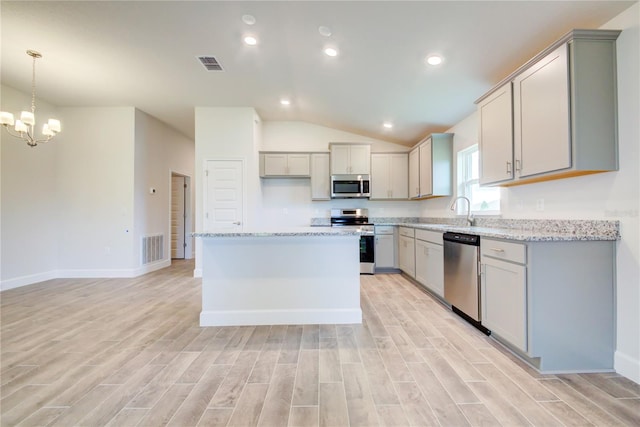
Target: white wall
(68,207)
(610,195)
(159,151)
(288,201)
(95,192)
(619,193)
(28,203)
(303,136)
(227,133)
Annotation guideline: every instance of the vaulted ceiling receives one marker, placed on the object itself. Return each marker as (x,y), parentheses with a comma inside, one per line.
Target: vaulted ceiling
(144,54)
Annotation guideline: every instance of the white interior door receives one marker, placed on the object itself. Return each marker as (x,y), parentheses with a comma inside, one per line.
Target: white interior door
(223,195)
(178,241)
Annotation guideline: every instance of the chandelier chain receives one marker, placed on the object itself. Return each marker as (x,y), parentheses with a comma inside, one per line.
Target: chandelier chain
(33,86)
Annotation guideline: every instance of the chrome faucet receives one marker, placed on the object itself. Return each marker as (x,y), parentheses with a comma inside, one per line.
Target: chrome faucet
(454,204)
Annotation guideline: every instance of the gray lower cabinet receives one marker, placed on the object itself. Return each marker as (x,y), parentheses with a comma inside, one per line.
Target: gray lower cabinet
(385,247)
(551,302)
(504,300)
(430,261)
(407,251)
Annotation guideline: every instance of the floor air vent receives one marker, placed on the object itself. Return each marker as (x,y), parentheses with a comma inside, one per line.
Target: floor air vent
(210,63)
(152,248)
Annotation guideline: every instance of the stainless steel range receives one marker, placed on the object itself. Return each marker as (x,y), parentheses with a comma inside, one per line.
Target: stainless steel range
(358,219)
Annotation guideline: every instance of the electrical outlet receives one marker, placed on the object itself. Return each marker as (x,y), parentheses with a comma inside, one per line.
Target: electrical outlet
(540,204)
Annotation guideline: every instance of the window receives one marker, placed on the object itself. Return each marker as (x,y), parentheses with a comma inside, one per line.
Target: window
(484,200)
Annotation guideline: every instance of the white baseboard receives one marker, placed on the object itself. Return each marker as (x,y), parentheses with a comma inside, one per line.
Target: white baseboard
(280,317)
(17,282)
(83,274)
(97,273)
(148,268)
(197,272)
(627,366)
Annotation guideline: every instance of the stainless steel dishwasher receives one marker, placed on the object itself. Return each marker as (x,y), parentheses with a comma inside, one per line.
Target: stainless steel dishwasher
(461,278)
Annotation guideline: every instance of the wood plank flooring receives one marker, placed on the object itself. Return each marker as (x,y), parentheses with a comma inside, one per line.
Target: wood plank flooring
(129,352)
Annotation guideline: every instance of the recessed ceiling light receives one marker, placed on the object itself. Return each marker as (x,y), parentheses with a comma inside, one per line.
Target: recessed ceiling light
(248,19)
(250,40)
(324,31)
(330,51)
(387,125)
(434,59)
(285,102)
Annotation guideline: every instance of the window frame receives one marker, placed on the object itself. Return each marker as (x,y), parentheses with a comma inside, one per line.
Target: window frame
(465,181)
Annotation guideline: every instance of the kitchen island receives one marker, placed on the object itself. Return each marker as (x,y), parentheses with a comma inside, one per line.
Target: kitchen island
(290,276)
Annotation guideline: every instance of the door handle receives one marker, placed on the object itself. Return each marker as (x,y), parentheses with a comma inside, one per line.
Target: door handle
(236,223)
(508,167)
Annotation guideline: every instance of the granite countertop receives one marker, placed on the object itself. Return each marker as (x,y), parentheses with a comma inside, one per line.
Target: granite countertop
(527,230)
(281,232)
(526,235)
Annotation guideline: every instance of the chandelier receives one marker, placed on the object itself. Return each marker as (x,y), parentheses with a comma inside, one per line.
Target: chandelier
(25,127)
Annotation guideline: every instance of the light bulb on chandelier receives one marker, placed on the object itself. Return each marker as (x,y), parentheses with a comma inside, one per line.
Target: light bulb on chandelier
(25,127)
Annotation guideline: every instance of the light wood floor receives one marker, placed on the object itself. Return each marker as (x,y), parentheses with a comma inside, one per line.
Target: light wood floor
(125,352)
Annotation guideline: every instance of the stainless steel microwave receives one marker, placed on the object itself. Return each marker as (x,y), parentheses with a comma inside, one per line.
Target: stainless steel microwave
(350,186)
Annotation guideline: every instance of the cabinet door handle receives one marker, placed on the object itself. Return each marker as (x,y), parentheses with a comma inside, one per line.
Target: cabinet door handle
(508,167)
(518,166)
(497,250)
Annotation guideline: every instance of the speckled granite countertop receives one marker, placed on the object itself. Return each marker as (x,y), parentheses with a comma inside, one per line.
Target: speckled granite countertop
(528,230)
(281,232)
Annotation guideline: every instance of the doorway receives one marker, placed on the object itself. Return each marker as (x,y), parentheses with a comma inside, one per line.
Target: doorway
(180,216)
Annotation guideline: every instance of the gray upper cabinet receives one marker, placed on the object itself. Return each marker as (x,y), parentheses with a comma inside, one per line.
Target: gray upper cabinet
(496,136)
(430,167)
(389,176)
(563,114)
(288,165)
(350,159)
(320,177)
(541,116)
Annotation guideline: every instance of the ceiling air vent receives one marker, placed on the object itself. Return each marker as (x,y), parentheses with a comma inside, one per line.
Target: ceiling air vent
(210,63)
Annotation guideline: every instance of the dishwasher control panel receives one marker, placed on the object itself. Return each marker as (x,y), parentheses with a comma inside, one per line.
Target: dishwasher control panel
(467,239)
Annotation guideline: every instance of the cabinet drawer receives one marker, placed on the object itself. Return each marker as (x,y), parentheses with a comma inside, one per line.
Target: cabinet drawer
(408,232)
(429,236)
(508,251)
(383,229)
